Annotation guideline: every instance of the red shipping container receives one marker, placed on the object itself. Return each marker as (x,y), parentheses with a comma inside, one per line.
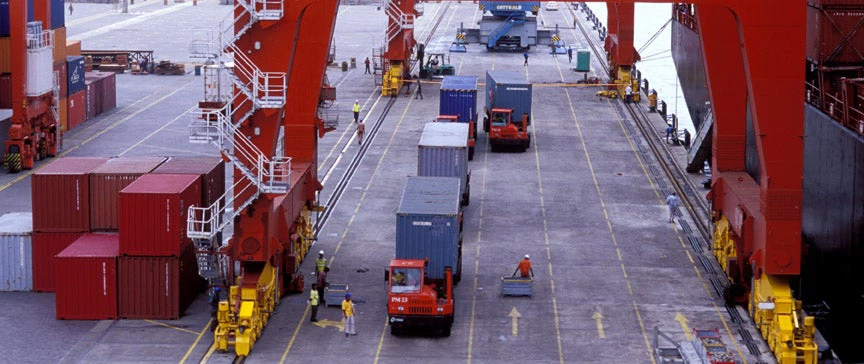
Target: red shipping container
(157,288)
(106,89)
(45,247)
(153,212)
(833,39)
(77,109)
(211,170)
(92,98)
(87,278)
(6,91)
(60,68)
(107,181)
(60,193)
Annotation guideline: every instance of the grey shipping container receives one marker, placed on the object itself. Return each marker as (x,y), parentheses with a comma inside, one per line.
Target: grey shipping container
(443,152)
(428,224)
(508,89)
(16,252)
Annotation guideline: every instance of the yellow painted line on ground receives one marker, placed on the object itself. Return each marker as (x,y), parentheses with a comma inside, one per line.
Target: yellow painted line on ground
(380,343)
(172,327)
(477,254)
(294,336)
(609,225)
(345,132)
(209,353)
(24,175)
(194,344)
(557,321)
(690,257)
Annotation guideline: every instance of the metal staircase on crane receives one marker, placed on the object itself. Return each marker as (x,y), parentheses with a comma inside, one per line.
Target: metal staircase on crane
(511,21)
(259,173)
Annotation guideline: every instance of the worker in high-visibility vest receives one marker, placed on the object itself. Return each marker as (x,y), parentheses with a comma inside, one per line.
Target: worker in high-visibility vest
(652,101)
(356,110)
(320,263)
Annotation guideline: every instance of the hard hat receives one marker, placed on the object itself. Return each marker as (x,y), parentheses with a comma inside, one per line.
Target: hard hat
(347,295)
(357,101)
(321,252)
(527,257)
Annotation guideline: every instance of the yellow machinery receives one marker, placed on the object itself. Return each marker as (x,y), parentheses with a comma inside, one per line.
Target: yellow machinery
(243,316)
(392,82)
(771,305)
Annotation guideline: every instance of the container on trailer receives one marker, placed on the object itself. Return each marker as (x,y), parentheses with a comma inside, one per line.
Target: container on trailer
(583,60)
(428,224)
(5,91)
(211,170)
(58,17)
(153,212)
(107,181)
(87,278)
(459,98)
(59,52)
(46,246)
(60,69)
(16,252)
(157,288)
(60,193)
(75,74)
(443,152)
(508,89)
(77,109)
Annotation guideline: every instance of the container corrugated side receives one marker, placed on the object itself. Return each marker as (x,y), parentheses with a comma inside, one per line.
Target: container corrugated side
(443,152)
(211,170)
(87,279)
(459,98)
(58,16)
(59,52)
(508,89)
(45,247)
(5,55)
(835,29)
(5,91)
(60,192)
(427,224)
(77,109)
(157,288)
(16,252)
(92,92)
(75,74)
(153,213)
(107,181)
(60,68)
(73,48)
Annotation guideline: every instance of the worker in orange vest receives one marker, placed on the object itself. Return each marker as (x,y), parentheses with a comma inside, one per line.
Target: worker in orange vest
(525,268)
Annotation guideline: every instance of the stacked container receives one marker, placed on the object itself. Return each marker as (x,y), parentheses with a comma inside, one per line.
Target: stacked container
(76,93)
(61,212)
(87,278)
(153,214)
(107,181)
(16,249)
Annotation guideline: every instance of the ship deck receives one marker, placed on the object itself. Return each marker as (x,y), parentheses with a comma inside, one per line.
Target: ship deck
(581,201)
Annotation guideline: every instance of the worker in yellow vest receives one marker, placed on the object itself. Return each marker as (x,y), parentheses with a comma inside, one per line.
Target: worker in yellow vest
(320,263)
(652,101)
(356,111)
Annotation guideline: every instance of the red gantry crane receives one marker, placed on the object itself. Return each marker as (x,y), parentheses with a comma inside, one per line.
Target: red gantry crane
(33,133)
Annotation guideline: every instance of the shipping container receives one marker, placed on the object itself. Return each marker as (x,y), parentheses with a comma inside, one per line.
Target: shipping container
(5,55)
(63,110)
(77,109)
(60,193)
(73,48)
(58,16)
(92,98)
(87,278)
(583,60)
(107,181)
(6,91)
(510,90)
(40,71)
(16,252)
(428,224)
(443,152)
(59,52)
(459,98)
(211,170)
(60,69)
(4,18)
(833,36)
(45,247)
(105,90)
(75,73)
(157,288)
(153,212)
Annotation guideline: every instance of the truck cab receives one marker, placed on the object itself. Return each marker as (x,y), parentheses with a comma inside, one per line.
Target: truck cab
(472,133)
(416,301)
(503,130)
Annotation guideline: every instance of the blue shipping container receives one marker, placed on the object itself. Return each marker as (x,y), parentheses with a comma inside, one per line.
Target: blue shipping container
(31,16)
(427,224)
(75,74)
(459,97)
(58,16)
(4,18)
(508,89)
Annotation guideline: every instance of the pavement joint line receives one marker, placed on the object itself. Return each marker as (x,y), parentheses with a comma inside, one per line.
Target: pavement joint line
(557,321)
(194,344)
(130,21)
(609,224)
(171,327)
(294,336)
(677,233)
(158,130)
(477,254)
(83,346)
(24,175)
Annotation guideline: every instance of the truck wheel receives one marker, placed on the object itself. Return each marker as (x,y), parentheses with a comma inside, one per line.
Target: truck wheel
(445,331)
(470,153)
(396,331)
(486,124)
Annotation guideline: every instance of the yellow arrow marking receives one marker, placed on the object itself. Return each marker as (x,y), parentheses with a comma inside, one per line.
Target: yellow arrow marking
(514,317)
(599,318)
(683,321)
(325,322)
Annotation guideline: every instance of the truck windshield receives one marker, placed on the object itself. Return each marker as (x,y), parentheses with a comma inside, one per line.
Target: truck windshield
(405,280)
(499,119)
